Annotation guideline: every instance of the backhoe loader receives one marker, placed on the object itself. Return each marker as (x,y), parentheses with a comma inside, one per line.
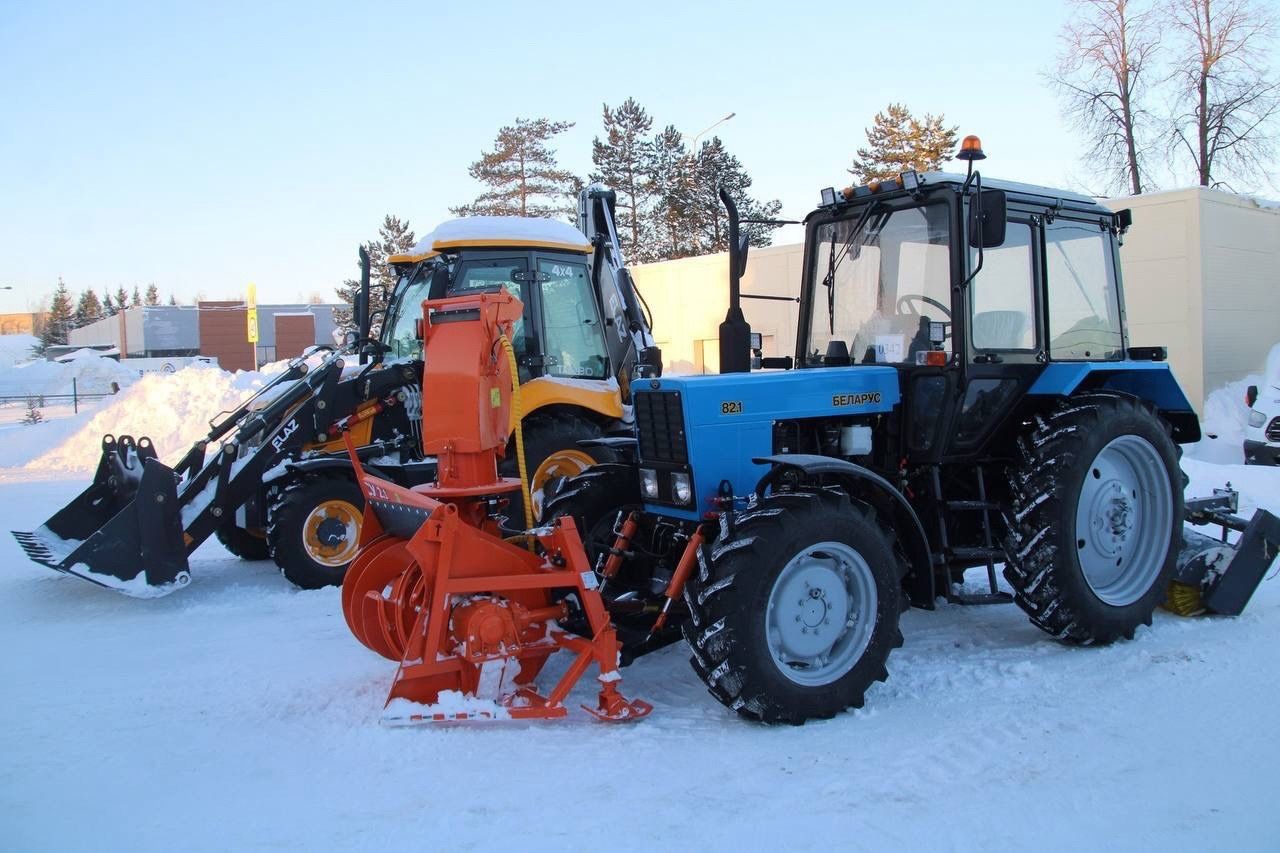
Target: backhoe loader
(272,477)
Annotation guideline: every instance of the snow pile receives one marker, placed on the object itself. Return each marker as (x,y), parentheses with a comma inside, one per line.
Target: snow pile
(15,349)
(173,409)
(91,374)
(1226,416)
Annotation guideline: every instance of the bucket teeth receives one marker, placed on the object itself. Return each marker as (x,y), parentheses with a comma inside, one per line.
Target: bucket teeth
(35,549)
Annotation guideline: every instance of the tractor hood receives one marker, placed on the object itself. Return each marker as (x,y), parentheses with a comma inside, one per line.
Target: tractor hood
(711,427)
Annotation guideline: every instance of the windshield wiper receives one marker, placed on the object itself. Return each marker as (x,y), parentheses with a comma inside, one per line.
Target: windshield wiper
(830,281)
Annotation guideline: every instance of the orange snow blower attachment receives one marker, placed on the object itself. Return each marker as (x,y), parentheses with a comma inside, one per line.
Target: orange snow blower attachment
(472,618)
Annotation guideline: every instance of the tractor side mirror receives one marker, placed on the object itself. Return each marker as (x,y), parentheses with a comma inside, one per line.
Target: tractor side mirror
(988,214)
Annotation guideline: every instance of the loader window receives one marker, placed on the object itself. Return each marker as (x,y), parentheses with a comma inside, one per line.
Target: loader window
(572,331)
(494,273)
(410,294)
(1084,311)
(879,289)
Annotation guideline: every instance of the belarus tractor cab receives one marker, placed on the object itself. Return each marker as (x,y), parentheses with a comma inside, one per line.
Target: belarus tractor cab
(962,395)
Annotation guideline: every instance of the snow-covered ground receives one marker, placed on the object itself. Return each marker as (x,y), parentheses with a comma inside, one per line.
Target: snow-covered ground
(239,713)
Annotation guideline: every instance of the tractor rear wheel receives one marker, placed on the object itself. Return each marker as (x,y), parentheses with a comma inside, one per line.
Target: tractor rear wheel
(245,544)
(1097,518)
(313,528)
(793,616)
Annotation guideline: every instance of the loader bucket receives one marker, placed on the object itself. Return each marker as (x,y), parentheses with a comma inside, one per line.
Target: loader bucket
(124,531)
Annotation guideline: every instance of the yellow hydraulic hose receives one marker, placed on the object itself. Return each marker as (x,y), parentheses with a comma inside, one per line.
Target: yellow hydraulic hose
(519,411)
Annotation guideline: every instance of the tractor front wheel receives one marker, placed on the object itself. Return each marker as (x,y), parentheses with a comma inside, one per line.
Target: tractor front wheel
(313,529)
(793,616)
(1097,518)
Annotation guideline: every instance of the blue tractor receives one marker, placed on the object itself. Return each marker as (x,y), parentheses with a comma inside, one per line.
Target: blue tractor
(963,395)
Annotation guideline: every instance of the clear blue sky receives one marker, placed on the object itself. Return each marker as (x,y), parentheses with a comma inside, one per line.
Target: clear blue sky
(203,146)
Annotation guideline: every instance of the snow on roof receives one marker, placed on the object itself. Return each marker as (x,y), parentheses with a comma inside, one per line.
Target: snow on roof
(496,231)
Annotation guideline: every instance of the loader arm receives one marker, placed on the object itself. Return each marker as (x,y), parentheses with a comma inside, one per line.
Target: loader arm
(629,333)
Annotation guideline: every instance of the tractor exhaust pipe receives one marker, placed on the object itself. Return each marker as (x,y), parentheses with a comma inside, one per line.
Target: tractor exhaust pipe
(362,302)
(735,332)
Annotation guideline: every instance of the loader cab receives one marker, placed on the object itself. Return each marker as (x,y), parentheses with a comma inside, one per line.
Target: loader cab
(561,333)
(897,273)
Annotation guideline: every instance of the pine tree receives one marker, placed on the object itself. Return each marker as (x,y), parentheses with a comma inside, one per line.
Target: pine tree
(153,295)
(108,306)
(60,318)
(897,142)
(714,168)
(88,309)
(522,176)
(122,299)
(136,299)
(672,200)
(394,237)
(33,415)
(172,299)
(622,161)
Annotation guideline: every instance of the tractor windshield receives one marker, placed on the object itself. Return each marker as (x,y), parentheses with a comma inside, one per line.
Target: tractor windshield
(880,277)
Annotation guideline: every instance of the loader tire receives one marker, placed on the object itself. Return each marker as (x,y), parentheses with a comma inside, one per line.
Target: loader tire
(794,614)
(551,452)
(245,544)
(313,529)
(1097,517)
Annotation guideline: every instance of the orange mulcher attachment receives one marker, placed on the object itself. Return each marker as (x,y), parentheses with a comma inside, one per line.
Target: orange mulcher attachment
(470,617)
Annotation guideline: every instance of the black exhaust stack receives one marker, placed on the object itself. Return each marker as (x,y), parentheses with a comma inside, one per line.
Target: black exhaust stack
(735,332)
(362,302)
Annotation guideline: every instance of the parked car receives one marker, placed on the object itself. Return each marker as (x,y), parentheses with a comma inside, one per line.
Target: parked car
(1262,434)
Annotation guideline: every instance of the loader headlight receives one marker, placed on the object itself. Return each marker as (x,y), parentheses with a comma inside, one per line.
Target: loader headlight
(681,488)
(649,483)
(1256,418)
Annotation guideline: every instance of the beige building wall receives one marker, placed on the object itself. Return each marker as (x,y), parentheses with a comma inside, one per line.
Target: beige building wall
(1201,276)
(689,298)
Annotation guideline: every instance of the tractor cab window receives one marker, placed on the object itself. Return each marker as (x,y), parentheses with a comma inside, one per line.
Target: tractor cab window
(881,279)
(572,332)
(510,274)
(1002,295)
(1084,308)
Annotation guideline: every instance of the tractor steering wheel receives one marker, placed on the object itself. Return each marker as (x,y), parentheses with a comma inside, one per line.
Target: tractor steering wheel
(904,305)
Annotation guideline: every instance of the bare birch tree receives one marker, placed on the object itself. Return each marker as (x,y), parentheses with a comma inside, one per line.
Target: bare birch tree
(1227,101)
(1108,53)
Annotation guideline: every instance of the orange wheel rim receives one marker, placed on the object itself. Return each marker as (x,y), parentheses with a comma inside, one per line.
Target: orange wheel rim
(562,463)
(331,533)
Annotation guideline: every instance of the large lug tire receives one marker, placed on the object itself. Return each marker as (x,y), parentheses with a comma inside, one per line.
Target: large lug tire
(793,616)
(1097,518)
(594,499)
(313,529)
(245,544)
(551,452)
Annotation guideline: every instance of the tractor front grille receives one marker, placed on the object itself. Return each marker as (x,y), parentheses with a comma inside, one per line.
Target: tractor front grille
(660,423)
(1273,429)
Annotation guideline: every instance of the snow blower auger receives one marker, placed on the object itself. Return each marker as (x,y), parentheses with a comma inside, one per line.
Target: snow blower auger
(472,618)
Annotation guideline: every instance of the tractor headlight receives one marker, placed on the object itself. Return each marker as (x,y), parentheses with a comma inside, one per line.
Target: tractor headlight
(1256,418)
(649,483)
(681,488)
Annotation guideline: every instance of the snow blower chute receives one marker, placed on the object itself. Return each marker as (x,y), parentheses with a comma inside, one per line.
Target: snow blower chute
(470,617)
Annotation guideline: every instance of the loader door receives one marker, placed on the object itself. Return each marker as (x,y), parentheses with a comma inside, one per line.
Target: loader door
(572,332)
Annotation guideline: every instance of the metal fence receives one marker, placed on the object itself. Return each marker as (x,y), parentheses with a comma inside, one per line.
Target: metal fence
(39,401)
